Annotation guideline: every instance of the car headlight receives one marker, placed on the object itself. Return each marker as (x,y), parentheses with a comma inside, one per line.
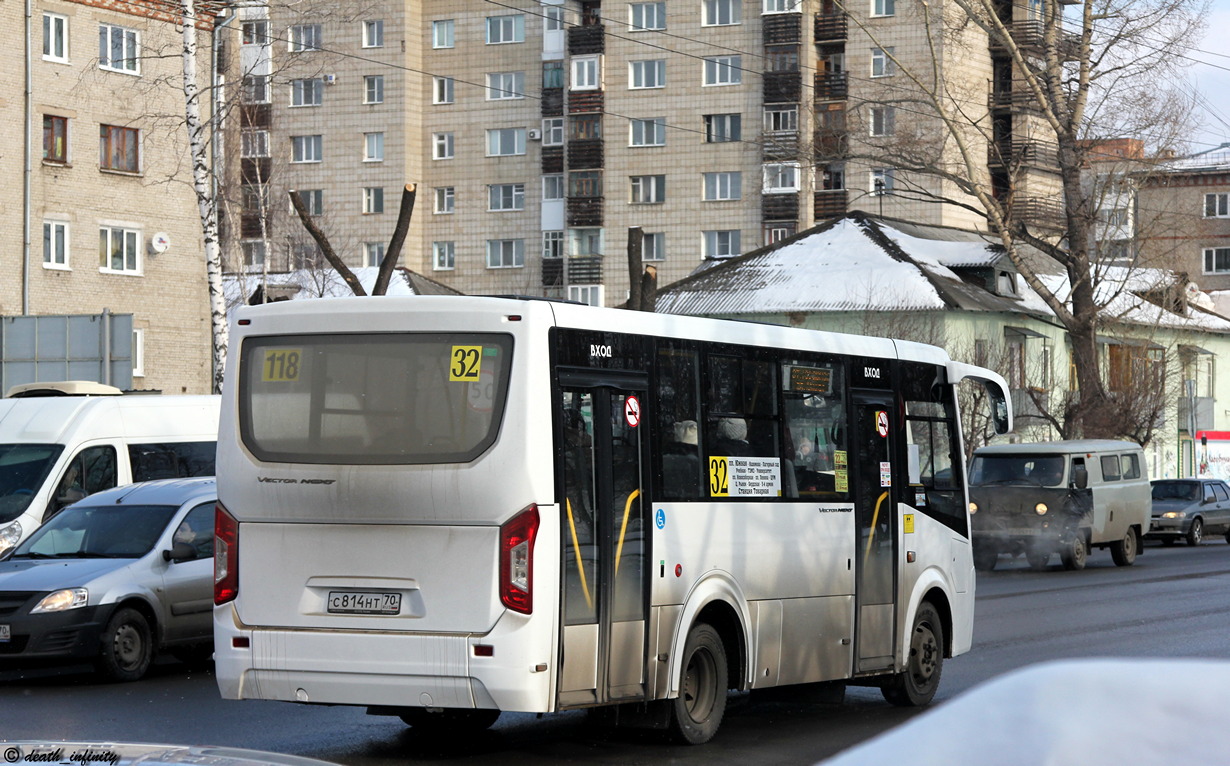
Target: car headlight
(62,600)
(9,536)
(973,507)
(1174,515)
(1041,509)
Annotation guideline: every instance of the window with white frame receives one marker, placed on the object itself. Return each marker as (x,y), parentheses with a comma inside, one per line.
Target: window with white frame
(373,147)
(313,201)
(585,243)
(552,18)
(722,12)
(254,32)
(781,177)
(254,143)
(723,70)
(505,29)
(882,121)
(119,250)
(55,244)
(255,89)
(505,253)
(373,33)
(552,245)
(55,38)
(442,146)
(882,64)
(119,48)
(882,181)
(648,190)
(1217,205)
(373,89)
(553,131)
(722,244)
(306,148)
(307,92)
(138,352)
(776,232)
(373,253)
(586,73)
(721,128)
(253,252)
(442,33)
(883,7)
(647,74)
(505,85)
(1217,260)
(644,16)
(648,132)
(590,295)
(553,187)
(304,37)
(442,90)
(781,118)
(723,186)
(503,142)
(653,246)
(445,200)
(443,256)
(373,200)
(504,197)
(781,6)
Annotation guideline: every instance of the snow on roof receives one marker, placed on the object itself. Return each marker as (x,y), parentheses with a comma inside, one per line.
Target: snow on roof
(1216,159)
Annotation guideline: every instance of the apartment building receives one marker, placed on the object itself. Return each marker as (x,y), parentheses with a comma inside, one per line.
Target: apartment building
(1184,211)
(97,214)
(540,134)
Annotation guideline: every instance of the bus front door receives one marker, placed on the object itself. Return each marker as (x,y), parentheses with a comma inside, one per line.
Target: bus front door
(604,548)
(875,513)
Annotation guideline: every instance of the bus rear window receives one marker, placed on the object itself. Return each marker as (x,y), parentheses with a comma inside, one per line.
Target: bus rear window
(387,399)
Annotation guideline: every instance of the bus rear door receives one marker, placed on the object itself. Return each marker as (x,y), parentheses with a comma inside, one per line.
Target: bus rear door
(875,511)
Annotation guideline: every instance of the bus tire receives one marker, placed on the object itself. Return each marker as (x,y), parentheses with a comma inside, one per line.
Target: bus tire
(1075,554)
(924,662)
(697,712)
(1123,552)
(127,646)
(449,721)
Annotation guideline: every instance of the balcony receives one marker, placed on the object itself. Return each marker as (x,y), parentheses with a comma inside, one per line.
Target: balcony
(584,101)
(585,269)
(782,87)
(830,144)
(783,28)
(831,86)
(830,27)
(586,40)
(552,159)
(255,115)
(552,104)
(779,207)
(829,203)
(1041,212)
(780,146)
(584,211)
(1029,36)
(585,154)
(1038,154)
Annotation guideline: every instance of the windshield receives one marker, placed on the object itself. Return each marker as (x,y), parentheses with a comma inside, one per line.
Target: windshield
(23,469)
(1019,470)
(109,531)
(1176,490)
(376,399)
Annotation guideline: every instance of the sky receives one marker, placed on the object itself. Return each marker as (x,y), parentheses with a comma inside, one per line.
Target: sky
(1213,78)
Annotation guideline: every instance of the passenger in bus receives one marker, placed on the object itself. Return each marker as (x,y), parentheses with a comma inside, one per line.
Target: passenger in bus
(681,461)
(732,438)
(685,442)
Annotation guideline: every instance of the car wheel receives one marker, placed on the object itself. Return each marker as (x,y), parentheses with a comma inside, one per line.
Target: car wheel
(1038,561)
(1195,533)
(450,721)
(917,684)
(1124,552)
(985,559)
(697,712)
(127,646)
(1075,554)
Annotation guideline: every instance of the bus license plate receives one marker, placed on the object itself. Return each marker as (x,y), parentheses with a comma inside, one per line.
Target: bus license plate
(360,602)
(5,633)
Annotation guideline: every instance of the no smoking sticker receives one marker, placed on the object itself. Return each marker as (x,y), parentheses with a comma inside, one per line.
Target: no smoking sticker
(882,422)
(632,411)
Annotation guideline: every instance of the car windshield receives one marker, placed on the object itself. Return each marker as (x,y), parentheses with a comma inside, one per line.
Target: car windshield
(109,531)
(23,469)
(1176,490)
(1021,470)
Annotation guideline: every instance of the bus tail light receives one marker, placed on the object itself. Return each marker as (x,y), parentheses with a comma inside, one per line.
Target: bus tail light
(226,556)
(517,560)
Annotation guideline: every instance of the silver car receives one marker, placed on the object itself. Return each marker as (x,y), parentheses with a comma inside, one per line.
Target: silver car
(113,579)
(1189,509)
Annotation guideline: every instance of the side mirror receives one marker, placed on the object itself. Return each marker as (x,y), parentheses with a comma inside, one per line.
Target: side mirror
(179,552)
(1080,476)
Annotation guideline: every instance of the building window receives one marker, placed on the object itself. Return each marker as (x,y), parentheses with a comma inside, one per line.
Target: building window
(505,253)
(776,232)
(442,34)
(882,64)
(585,242)
(883,121)
(306,148)
(585,183)
(373,147)
(722,128)
(723,70)
(118,148)
(648,190)
(445,199)
(503,142)
(552,18)
(722,12)
(781,58)
(255,89)
(883,7)
(883,181)
(553,131)
(505,29)
(504,197)
(443,256)
(586,73)
(590,295)
(650,132)
(306,92)
(118,48)
(553,74)
(723,186)
(584,127)
(373,33)
(653,247)
(442,92)
(55,139)
(1217,205)
(781,118)
(373,200)
(1217,260)
(643,16)
(373,253)
(722,244)
(552,187)
(313,201)
(55,37)
(552,245)
(441,146)
(373,89)
(647,74)
(831,177)
(118,250)
(781,6)
(781,177)
(304,37)
(254,143)
(253,252)
(505,85)
(255,32)
(55,244)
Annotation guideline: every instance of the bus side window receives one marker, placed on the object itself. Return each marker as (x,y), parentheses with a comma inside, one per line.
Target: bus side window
(678,413)
(930,432)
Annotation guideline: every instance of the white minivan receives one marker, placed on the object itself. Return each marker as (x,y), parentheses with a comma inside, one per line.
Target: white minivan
(58,445)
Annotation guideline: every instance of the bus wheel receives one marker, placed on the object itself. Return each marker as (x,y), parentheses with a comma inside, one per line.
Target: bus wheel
(1124,551)
(697,712)
(1075,554)
(923,665)
(985,559)
(449,721)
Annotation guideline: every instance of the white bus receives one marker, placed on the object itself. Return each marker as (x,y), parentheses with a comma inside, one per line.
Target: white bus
(441,508)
